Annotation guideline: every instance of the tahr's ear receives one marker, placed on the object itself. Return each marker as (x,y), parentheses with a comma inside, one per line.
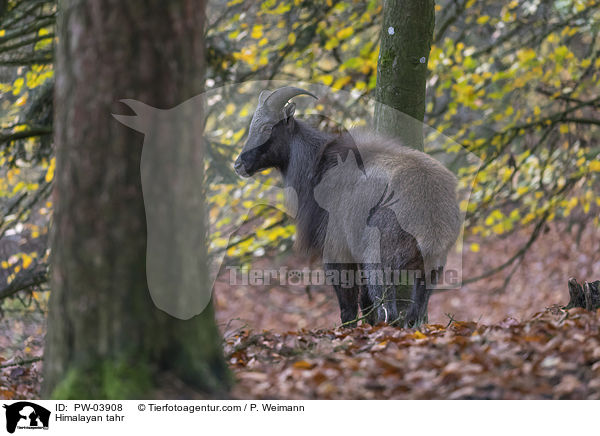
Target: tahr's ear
(289,110)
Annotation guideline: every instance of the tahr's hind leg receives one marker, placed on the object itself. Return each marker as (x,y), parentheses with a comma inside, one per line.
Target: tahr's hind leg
(417,311)
(382,296)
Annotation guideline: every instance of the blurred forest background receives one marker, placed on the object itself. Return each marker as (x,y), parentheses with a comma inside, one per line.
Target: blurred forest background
(516,83)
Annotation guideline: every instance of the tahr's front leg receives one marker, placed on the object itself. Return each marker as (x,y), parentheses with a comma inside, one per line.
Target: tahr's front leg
(346,292)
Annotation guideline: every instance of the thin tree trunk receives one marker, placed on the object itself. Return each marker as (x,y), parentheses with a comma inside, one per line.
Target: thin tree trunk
(106,339)
(406,36)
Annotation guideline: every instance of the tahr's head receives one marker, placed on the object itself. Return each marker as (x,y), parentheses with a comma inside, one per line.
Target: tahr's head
(270,127)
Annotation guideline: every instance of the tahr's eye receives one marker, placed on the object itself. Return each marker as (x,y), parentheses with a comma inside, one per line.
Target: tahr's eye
(265,129)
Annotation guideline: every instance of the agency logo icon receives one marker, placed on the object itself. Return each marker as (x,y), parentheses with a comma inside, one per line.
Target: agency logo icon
(27,416)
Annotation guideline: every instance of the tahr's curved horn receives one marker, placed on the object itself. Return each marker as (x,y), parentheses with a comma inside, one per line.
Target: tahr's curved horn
(278,98)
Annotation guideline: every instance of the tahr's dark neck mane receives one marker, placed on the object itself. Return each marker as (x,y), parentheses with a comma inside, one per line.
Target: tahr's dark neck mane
(301,174)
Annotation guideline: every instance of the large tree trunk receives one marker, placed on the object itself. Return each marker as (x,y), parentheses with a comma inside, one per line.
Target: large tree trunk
(106,339)
(406,36)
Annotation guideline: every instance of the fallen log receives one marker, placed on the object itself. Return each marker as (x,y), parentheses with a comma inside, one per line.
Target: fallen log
(586,296)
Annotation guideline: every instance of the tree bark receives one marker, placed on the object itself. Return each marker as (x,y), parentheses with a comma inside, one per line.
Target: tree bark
(406,36)
(106,339)
(586,296)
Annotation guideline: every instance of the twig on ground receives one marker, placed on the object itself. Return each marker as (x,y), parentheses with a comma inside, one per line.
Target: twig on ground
(22,362)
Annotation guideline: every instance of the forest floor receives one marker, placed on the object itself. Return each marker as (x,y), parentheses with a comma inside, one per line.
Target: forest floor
(552,355)
(483,341)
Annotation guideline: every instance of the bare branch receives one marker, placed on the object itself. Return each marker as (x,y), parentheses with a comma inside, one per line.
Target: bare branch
(32,132)
(25,279)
